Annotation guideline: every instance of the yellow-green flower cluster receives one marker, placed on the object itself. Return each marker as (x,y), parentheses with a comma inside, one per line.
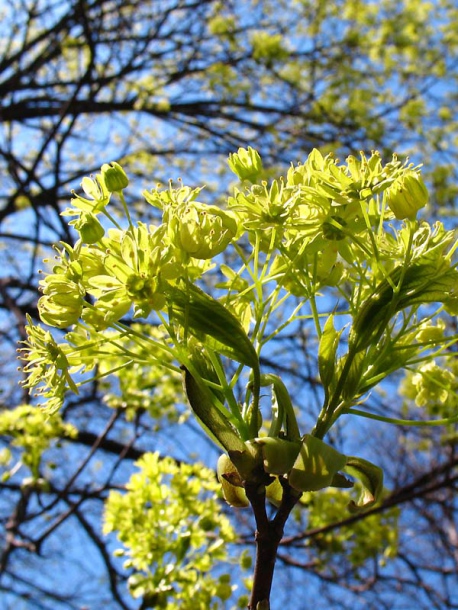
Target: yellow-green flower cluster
(129,269)
(320,217)
(49,366)
(433,383)
(169,517)
(195,230)
(316,220)
(374,538)
(33,432)
(325,224)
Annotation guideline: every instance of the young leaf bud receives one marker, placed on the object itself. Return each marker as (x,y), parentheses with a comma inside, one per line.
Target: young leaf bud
(231,483)
(278,454)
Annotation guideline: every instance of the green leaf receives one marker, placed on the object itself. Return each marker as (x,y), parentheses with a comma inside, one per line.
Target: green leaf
(327,349)
(283,415)
(211,322)
(316,465)
(278,454)
(203,404)
(441,288)
(371,479)
(421,283)
(351,387)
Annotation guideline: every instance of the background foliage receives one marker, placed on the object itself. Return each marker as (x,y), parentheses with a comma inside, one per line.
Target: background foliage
(169,89)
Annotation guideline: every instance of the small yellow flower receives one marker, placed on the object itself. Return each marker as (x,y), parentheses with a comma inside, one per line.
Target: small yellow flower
(48,365)
(246,164)
(63,301)
(96,190)
(433,384)
(202,231)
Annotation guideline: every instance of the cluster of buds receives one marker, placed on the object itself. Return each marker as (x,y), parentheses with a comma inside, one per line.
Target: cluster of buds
(112,179)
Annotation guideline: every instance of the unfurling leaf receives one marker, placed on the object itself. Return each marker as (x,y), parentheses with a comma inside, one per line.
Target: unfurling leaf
(371,479)
(327,349)
(278,455)
(316,466)
(204,406)
(283,415)
(421,283)
(211,322)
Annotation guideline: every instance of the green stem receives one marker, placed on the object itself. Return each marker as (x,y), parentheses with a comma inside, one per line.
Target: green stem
(126,209)
(228,394)
(112,220)
(326,417)
(403,422)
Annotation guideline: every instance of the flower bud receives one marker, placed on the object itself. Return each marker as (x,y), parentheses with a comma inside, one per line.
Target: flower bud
(89,228)
(246,164)
(115,177)
(407,195)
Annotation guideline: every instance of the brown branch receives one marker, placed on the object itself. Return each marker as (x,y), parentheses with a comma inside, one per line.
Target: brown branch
(268,536)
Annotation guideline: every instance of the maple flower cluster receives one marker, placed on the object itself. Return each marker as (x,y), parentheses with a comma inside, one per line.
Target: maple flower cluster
(324,229)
